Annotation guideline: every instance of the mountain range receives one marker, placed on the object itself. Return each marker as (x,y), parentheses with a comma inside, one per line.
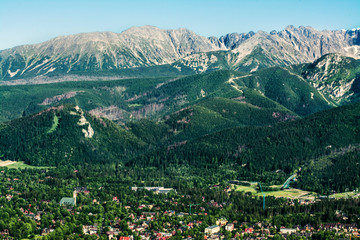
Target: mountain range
(179,51)
(302,89)
(261,104)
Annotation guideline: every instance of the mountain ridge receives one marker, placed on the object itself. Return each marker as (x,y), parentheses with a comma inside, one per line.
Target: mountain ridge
(148,46)
(303,89)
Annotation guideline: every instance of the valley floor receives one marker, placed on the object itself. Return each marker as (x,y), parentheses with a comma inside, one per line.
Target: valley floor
(103,203)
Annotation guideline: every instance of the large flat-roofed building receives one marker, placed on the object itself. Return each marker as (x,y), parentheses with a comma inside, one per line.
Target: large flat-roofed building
(212,229)
(67,201)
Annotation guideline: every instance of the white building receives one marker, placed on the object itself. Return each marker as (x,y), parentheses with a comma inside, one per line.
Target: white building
(212,229)
(221,222)
(229,227)
(287,230)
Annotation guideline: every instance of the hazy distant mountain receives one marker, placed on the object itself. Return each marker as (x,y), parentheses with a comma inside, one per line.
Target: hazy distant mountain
(150,46)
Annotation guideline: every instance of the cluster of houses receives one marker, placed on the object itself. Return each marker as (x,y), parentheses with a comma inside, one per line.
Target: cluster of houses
(141,226)
(264,231)
(141,223)
(90,229)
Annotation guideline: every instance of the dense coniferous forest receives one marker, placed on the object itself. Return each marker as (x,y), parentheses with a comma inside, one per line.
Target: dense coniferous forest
(317,144)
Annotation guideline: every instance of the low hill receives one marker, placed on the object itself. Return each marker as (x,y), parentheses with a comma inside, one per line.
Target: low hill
(287,89)
(258,153)
(211,115)
(65,135)
(266,149)
(215,114)
(110,99)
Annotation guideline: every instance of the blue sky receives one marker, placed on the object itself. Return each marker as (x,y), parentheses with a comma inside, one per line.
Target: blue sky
(33,21)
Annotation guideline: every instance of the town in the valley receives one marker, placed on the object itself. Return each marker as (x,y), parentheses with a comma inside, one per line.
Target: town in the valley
(158,213)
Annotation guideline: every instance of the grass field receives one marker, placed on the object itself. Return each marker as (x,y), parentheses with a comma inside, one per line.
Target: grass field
(20,165)
(345,195)
(291,193)
(239,188)
(287,193)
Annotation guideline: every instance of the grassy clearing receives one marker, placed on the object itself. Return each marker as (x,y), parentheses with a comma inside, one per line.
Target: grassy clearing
(55,124)
(22,165)
(345,195)
(135,105)
(287,193)
(291,193)
(239,188)
(6,163)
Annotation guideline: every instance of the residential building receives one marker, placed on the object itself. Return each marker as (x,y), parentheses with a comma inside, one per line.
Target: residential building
(221,222)
(229,227)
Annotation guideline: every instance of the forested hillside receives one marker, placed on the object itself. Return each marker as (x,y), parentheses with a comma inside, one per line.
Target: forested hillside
(264,153)
(66,135)
(258,126)
(318,144)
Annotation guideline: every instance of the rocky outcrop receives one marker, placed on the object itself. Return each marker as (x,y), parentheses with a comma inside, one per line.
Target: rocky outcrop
(233,40)
(248,52)
(335,76)
(58,98)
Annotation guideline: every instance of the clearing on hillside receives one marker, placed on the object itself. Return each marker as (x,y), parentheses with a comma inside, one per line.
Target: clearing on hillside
(18,165)
(6,163)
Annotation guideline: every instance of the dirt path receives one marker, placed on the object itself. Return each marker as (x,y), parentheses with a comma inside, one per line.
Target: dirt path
(6,163)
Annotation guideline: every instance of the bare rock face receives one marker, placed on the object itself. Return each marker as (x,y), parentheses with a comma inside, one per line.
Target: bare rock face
(135,47)
(233,40)
(58,98)
(251,51)
(150,46)
(335,76)
(314,44)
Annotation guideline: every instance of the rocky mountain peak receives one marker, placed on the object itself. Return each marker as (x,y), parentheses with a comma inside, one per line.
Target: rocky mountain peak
(143,31)
(150,46)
